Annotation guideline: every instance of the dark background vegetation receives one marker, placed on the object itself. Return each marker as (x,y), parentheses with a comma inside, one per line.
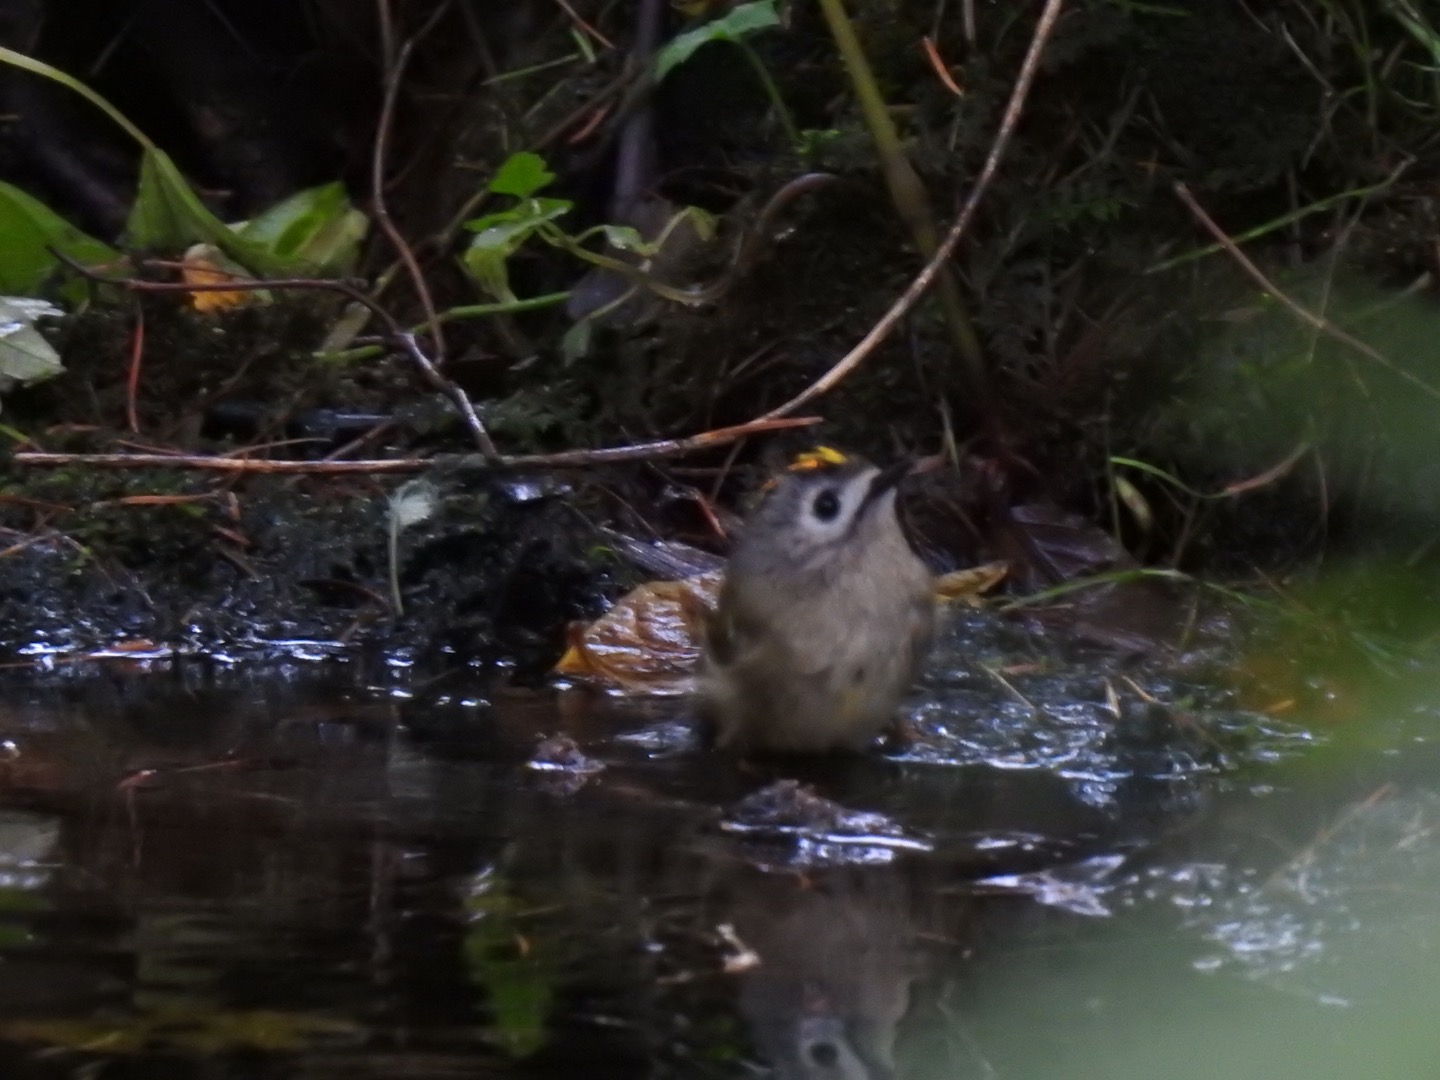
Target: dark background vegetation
(1315,121)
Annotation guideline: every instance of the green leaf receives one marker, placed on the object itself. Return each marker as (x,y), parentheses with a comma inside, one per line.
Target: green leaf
(548,209)
(284,227)
(627,238)
(489,252)
(499,217)
(521,175)
(315,230)
(25,355)
(575,345)
(520,996)
(500,235)
(31,228)
(741,22)
(168,215)
(531,211)
(334,249)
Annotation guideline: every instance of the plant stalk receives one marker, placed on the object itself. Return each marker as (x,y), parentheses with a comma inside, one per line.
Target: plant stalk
(911,200)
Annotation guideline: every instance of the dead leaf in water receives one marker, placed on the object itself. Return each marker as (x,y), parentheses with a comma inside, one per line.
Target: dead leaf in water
(970,585)
(648,642)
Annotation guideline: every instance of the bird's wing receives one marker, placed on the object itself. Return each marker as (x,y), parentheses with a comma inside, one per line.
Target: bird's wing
(732,636)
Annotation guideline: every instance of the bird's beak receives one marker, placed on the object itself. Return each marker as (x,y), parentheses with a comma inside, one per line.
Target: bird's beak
(888,477)
(885,480)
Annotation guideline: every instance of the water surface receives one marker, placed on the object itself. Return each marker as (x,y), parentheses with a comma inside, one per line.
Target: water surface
(1080,868)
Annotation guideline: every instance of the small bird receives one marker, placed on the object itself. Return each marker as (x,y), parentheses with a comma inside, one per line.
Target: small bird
(823,617)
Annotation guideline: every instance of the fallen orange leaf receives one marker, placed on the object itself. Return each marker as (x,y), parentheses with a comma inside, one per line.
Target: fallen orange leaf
(648,642)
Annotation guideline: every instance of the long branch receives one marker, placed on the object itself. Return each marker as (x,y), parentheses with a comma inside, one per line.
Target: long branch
(923,280)
(606,455)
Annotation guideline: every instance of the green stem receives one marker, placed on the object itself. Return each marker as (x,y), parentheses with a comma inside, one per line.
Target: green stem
(762,73)
(1283,220)
(39,67)
(465,311)
(510,307)
(906,190)
(629,272)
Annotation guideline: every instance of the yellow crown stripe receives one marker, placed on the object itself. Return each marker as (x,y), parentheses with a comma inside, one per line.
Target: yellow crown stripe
(822,457)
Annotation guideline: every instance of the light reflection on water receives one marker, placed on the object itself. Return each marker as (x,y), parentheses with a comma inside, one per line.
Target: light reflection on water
(239,874)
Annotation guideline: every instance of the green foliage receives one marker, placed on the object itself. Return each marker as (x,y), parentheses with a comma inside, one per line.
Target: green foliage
(25,356)
(740,23)
(502,233)
(1267,383)
(313,231)
(813,143)
(518,979)
(522,175)
(1091,204)
(1380,62)
(1408,16)
(167,215)
(32,233)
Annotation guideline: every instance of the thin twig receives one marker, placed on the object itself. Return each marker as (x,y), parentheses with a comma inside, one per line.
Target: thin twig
(659,448)
(585,26)
(381,210)
(386,23)
(132,381)
(937,62)
(1304,314)
(214,463)
(882,329)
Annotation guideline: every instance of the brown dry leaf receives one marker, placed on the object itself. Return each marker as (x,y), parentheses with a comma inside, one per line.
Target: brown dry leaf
(648,642)
(969,585)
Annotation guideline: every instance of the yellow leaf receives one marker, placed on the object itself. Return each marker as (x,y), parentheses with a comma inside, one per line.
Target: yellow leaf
(969,585)
(204,264)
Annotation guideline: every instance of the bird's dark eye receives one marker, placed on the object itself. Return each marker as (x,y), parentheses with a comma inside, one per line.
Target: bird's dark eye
(827,505)
(824,1055)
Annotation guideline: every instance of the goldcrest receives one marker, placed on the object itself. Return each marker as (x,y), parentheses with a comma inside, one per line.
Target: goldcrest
(824,615)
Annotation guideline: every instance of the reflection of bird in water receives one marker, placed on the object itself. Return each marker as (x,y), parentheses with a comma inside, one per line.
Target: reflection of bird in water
(834,970)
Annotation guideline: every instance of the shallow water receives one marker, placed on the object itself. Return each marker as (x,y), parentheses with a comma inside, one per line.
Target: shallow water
(1079,869)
